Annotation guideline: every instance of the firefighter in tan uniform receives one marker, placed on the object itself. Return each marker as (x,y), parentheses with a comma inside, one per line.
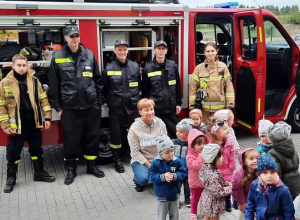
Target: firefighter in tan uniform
(211,80)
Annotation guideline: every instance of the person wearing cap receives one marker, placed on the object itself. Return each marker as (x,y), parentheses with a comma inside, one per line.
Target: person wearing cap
(161,82)
(166,173)
(212,200)
(75,93)
(122,81)
(268,196)
(181,148)
(286,156)
(265,144)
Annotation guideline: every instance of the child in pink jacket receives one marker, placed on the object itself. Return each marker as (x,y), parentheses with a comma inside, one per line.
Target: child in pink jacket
(194,160)
(243,178)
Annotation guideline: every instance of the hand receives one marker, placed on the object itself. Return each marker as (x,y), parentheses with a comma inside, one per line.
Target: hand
(178,109)
(242,207)
(59,113)
(8,130)
(228,184)
(47,125)
(168,177)
(147,164)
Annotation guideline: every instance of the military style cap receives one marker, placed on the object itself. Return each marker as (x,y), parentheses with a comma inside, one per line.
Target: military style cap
(160,42)
(121,42)
(71,29)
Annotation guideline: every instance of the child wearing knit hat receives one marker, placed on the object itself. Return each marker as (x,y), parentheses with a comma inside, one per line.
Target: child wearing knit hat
(181,148)
(212,200)
(265,144)
(166,173)
(286,156)
(268,196)
(228,116)
(196,115)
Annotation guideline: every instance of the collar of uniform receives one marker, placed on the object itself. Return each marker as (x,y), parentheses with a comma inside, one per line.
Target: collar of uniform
(157,65)
(121,63)
(10,75)
(82,52)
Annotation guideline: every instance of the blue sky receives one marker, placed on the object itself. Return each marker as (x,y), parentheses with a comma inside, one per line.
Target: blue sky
(195,3)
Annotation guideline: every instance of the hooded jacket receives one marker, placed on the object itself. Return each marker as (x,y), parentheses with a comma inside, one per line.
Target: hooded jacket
(163,190)
(271,203)
(194,159)
(10,102)
(287,160)
(228,166)
(141,138)
(240,191)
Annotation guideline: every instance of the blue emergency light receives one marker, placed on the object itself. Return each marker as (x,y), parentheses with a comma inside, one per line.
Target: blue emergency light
(226,5)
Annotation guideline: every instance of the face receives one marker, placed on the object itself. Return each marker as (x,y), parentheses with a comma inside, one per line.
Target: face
(147,113)
(160,51)
(121,52)
(20,66)
(265,139)
(230,120)
(222,132)
(197,119)
(168,155)
(210,53)
(251,159)
(73,40)
(181,134)
(199,147)
(220,161)
(269,177)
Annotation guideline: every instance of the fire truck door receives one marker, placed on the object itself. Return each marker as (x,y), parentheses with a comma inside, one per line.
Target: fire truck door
(249,67)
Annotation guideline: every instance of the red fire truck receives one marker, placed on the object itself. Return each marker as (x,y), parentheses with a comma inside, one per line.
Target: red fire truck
(262,57)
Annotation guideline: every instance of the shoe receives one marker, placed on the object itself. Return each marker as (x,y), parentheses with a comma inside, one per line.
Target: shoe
(138,187)
(12,169)
(92,168)
(193,217)
(39,174)
(187,201)
(228,204)
(117,161)
(71,171)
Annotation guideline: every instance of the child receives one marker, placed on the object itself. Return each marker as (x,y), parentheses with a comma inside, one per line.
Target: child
(196,115)
(22,105)
(263,129)
(219,134)
(243,178)
(166,173)
(181,148)
(228,116)
(268,196)
(194,160)
(286,156)
(212,201)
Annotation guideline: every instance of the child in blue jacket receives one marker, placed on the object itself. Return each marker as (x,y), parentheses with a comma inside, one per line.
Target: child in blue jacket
(166,173)
(268,196)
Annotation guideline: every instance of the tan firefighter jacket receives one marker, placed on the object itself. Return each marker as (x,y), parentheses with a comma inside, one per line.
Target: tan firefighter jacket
(213,80)
(10,102)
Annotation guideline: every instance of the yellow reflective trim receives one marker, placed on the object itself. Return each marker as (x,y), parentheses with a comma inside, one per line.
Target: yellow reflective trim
(87,74)
(229,95)
(172,82)
(4,117)
(193,96)
(17,161)
(156,73)
(63,60)
(2,102)
(213,107)
(115,146)
(34,158)
(133,84)
(194,77)
(244,124)
(114,73)
(43,95)
(227,75)
(87,157)
(258,105)
(14,126)
(46,108)
(203,75)
(260,35)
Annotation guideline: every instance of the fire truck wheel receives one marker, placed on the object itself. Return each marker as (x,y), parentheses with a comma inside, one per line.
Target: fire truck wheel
(294,117)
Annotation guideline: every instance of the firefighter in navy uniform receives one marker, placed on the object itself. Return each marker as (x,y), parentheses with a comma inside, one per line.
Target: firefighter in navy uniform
(162,83)
(75,93)
(121,80)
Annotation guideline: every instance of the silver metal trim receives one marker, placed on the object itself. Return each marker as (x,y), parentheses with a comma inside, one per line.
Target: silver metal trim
(185,59)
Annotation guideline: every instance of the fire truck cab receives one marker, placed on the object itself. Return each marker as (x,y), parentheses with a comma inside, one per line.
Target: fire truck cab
(260,54)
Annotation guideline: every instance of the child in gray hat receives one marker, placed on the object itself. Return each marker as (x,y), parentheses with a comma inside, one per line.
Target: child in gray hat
(181,148)
(264,145)
(286,156)
(166,173)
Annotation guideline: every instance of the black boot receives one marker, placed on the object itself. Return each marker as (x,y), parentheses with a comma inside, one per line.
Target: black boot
(12,169)
(71,171)
(117,161)
(187,192)
(228,203)
(39,173)
(92,168)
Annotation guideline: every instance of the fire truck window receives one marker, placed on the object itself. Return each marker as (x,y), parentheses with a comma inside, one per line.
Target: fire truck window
(273,36)
(248,37)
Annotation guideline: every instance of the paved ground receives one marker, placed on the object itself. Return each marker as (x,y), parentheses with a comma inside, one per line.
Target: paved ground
(112,197)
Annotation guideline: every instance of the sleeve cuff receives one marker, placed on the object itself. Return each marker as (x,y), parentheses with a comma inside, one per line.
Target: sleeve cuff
(174,177)
(162,177)
(47,119)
